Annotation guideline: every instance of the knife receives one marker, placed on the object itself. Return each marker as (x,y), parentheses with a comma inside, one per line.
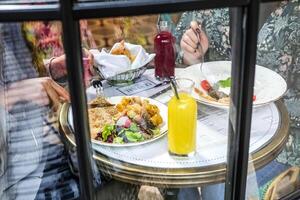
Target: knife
(160,92)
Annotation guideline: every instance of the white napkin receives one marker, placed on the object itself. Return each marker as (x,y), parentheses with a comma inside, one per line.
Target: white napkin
(110,65)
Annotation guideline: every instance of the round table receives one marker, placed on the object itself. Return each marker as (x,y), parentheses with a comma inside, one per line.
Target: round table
(161,170)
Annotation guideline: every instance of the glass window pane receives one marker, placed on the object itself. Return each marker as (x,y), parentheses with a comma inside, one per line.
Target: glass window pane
(83,1)
(276,78)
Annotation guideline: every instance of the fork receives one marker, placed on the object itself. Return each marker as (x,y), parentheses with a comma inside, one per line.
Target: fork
(199,46)
(97,84)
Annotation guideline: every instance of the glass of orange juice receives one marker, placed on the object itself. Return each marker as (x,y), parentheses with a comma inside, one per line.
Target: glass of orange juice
(182,120)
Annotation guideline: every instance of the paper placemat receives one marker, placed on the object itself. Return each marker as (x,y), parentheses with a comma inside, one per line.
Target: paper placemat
(146,86)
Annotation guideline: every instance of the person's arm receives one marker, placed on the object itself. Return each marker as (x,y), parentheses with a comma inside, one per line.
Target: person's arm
(57,70)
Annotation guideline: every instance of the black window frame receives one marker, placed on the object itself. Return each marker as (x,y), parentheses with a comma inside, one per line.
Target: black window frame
(243,25)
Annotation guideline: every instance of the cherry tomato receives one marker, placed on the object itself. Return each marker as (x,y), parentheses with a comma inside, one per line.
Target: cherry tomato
(254,97)
(205,85)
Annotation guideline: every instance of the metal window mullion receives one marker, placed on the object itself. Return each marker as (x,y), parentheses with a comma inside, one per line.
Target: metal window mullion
(13,13)
(72,46)
(130,8)
(267,1)
(81,10)
(244,39)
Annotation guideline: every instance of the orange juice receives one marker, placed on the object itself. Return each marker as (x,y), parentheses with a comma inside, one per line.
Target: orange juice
(182,122)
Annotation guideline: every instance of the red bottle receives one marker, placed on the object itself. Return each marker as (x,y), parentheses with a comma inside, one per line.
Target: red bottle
(164,47)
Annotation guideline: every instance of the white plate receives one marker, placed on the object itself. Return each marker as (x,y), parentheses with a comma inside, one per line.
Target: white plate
(268,87)
(114,100)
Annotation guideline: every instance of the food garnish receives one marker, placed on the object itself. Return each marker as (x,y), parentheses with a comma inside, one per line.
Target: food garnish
(225,83)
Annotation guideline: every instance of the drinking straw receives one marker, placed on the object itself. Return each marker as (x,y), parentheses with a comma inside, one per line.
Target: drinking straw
(173,84)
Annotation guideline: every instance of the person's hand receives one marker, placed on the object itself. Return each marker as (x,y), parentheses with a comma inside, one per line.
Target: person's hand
(149,193)
(42,91)
(58,66)
(194,44)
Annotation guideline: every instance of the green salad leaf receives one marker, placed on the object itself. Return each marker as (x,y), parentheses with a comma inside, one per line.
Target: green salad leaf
(107,131)
(225,83)
(118,140)
(134,136)
(133,127)
(156,131)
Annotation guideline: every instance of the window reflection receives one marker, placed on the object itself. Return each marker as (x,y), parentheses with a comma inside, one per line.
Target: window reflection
(278,48)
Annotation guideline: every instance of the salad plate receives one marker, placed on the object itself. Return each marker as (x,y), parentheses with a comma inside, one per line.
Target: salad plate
(212,84)
(126,130)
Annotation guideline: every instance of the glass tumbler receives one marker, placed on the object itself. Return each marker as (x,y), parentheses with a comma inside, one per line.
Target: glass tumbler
(182,120)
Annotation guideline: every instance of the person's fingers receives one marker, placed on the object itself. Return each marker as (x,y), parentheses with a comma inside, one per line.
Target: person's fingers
(201,34)
(186,47)
(60,90)
(192,58)
(53,96)
(204,41)
(192,35)
(194,25)
(196,28)
(189,41)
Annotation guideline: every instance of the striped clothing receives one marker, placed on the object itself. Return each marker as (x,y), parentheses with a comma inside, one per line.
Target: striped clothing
(34,163)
